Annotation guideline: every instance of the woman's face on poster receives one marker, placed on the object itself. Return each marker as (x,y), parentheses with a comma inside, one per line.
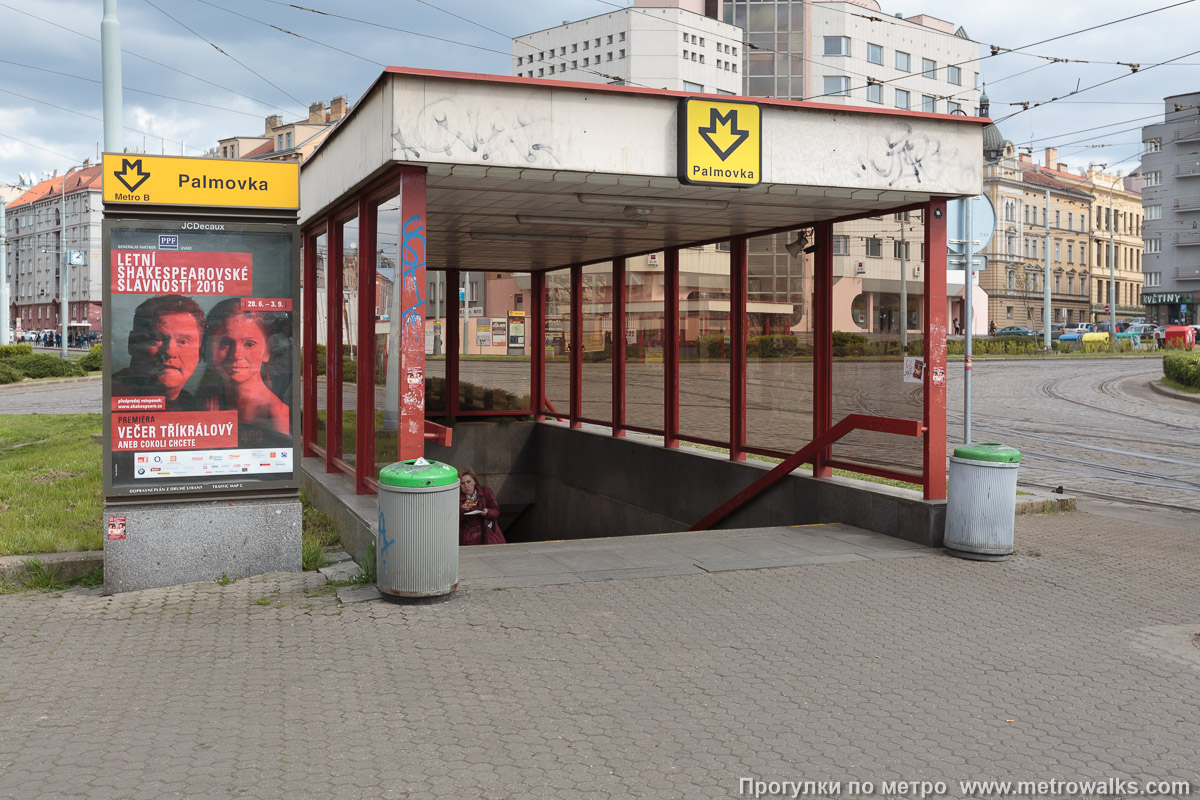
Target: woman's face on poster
(239,349)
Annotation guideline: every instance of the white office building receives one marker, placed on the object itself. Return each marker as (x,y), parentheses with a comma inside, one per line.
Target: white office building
(668,44)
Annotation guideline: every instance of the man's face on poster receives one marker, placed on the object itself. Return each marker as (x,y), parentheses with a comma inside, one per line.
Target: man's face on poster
(167,351)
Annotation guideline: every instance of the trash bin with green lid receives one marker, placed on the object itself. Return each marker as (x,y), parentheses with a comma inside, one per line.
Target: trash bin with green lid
(981,503)
(416,550)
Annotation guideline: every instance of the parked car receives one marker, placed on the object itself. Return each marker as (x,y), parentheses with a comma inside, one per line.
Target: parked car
(1016,332)
(1078,327)
(1143,331)
(1056,330)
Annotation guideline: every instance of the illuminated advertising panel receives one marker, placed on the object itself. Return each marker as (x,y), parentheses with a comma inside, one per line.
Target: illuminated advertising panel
(201,358)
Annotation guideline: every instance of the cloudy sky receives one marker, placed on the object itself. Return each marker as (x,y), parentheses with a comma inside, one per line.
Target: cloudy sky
(189,94)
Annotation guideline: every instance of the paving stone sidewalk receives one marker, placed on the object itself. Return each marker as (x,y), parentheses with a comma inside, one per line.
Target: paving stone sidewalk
(1073,660)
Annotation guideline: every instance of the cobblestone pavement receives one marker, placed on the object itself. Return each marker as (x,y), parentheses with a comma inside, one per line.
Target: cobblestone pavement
(1073,660)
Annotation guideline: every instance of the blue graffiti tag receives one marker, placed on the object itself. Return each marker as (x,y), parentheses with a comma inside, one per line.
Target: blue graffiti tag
(383,538)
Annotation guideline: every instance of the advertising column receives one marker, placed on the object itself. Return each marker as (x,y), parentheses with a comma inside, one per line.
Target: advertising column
(201,369)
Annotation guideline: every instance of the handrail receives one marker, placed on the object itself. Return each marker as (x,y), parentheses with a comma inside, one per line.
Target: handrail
(901,427)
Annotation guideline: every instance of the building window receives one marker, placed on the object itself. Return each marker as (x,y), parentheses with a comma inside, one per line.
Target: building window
(875,248)
(1154,178)
(609,40)
(900,250)
(928,104)
(621,36)
(609,58)
(694,55)
(702,41)
(685,55)
(701,58)
(542,71)
(1058,249)
(954,75)
(837,45)
(288,139)
(686,39)
(953,107)
(621,54)
(1070,221)
(1008,312)
(902,61)
(1057,218)
(874,93)
(841,245)
(928,67)
(837,85)
(574,64)
(542,56)
(901,98)
(688,86)
(693,38)
(575,48)
(586,44)
(1154,245)
(1153,145)
(1153,212)
(875,54)
(1070,252)
(587,60)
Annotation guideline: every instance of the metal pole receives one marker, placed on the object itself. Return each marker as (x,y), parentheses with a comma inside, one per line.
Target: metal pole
(968,253)
(4,337)
(1112,272)
(62,270)
(110,61)
(903,291)
(1046,286)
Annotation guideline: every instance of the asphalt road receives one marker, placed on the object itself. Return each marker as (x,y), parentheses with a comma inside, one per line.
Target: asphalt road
(1091,426)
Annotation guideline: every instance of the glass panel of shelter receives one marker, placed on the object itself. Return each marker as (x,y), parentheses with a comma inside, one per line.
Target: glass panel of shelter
(345,346)
(558,342)
(645,335)
(321,253)
(494,352)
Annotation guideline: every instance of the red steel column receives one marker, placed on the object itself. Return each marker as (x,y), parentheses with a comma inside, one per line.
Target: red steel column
(934,331)
(453,344)
(333,370)
(308,338)
(576,345)
(412,320)
(823,343)
(618,347)
(535,337)
(671,348)
(364,460)
(737,343)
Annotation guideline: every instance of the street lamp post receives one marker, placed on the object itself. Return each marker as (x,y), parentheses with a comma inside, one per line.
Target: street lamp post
(1112,271)
(63,260)
(4,302)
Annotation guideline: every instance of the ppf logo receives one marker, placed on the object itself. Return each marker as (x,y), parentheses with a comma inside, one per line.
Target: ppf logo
(168,242)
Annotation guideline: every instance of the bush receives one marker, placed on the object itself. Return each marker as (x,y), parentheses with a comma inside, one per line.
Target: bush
(773,346)
(10,350)
(1183,367)
(44,365)
(848,344)
(9,375)
(712,346)
(94,360)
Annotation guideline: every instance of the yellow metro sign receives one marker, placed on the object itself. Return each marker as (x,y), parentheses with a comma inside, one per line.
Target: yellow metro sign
(174,181)
(720,144)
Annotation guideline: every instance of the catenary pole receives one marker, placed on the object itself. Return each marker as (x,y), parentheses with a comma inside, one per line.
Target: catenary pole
(1112,271)
(968,255)
(62,267)
(4,337)
(110,66)
(1046,279)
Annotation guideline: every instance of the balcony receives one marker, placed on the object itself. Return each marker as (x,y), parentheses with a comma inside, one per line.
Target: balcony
(1188,239)
(1187,272)
(1188,170)
(1187,203)
(1187,133)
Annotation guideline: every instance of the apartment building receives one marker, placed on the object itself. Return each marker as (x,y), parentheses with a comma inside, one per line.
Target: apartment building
(286,141)
(1171,212)
(51,234)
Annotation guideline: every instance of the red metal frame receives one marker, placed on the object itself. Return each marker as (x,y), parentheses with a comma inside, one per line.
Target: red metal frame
(934,453)
(308,338)
(671,347)
(576,344)
(618,347)
(333,360)
(536,337)
(738,246)
(901,427)
(413,216)
(364,457)
(453,343)
(822,345)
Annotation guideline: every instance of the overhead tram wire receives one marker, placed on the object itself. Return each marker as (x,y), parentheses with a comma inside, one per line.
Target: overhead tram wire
(228,55)
(506,54)
(97,119)
(1107,125)
(292,33)
(39,147)
(131,89)
(1096,85)
(997,51)
(145,58)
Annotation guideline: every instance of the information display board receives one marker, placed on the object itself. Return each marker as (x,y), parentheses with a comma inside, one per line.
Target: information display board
(201,358)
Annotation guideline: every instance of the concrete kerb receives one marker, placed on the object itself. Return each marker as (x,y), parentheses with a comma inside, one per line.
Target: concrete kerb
(1167,391)
(49,382)
(64,566)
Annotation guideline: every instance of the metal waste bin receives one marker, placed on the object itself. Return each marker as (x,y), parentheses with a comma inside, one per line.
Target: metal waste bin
(416,551)
(981,505)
